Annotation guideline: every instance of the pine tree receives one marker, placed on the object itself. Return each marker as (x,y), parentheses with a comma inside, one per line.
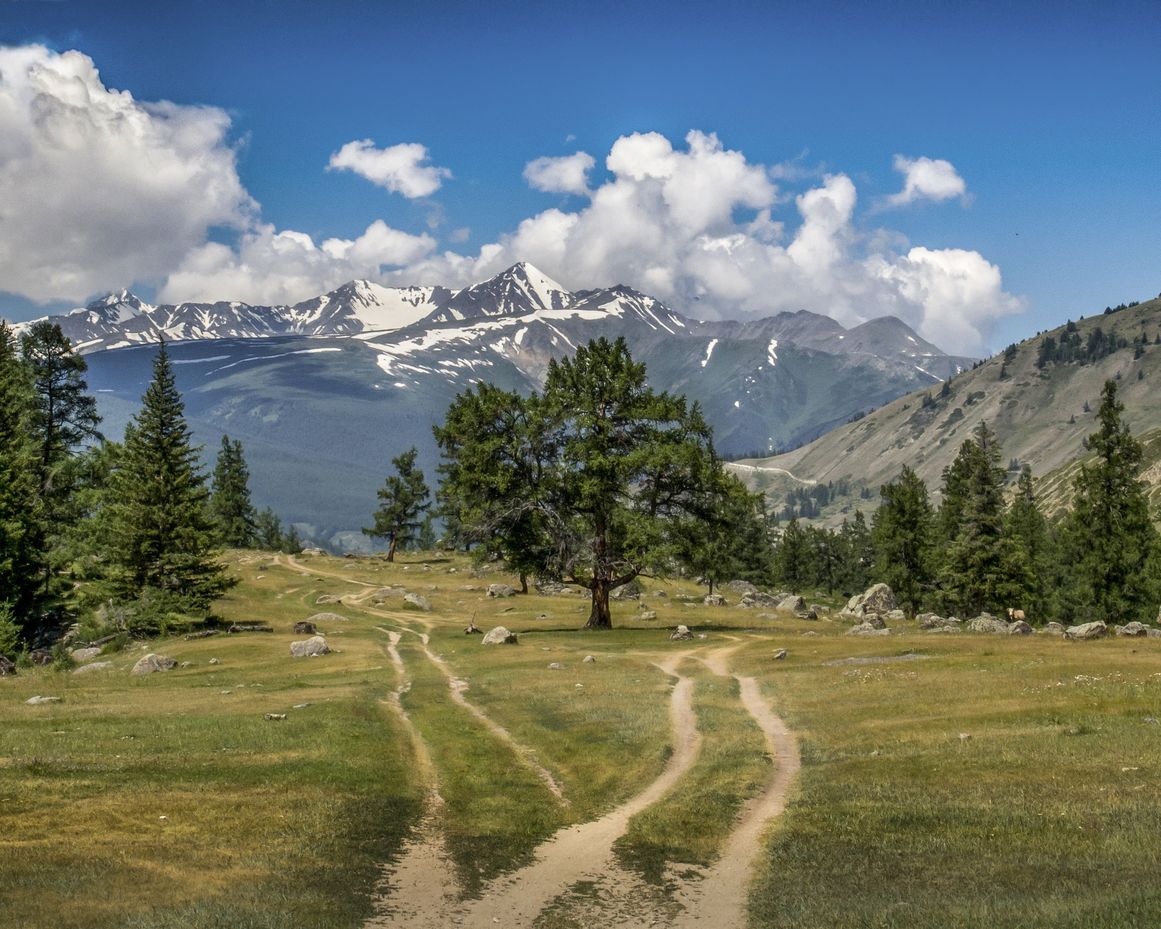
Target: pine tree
(268,531)
(404,499)
(20,507)
(901,533)
(1111,536)
(162,536)
(793,556)
(857,555)
(230,504)
(975,573)
(1027,531)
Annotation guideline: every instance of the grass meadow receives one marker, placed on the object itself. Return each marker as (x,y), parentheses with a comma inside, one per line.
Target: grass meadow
(947,780)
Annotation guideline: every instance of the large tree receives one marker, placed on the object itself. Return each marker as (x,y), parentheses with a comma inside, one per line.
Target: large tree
(1030,544)
(403,499)
(901,533)
(597,483)
(1111,536)
(20,506)
(161,534)
(233,513)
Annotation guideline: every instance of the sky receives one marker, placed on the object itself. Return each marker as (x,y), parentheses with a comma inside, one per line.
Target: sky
(981,170)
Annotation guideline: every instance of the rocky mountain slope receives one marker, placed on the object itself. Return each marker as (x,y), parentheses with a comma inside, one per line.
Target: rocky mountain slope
(325,392)
(1040,398)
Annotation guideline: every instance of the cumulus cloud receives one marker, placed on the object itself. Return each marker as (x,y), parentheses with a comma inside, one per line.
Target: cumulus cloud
(401,169)
(927,179)
(568,174)
(97,187)
(269,267)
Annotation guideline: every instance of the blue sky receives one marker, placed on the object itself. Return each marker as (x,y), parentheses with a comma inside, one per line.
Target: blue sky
(1048,116)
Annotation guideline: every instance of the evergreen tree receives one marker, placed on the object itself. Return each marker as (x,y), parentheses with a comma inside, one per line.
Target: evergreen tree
(1027,531)
(230,504)
(1110,533)
(404,499)
(268,531)
(857,555)
(20,506)
(161,533)
(793,557)
(901,533)
(427,540)
(730,541)
(975,572)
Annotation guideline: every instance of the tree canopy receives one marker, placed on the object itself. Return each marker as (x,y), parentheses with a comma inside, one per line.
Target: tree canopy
(404,498)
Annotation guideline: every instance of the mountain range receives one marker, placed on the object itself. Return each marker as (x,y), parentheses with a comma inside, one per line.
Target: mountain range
(325,392)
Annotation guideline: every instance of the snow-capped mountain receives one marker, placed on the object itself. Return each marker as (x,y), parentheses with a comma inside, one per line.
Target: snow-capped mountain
(324,393)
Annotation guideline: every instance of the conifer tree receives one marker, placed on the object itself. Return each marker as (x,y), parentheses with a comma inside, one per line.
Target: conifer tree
(20,507)
(1027,532)
(404,499)
(268,531)
(901,533)
(1111,536)
(230,504)
(64,420)
(162,537)
(793,556)
(857,554)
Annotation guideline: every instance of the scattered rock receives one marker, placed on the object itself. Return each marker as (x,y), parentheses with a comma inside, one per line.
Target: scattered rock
(473,629)
(758,598)
(186,664)
(935,621)
(630,591)
(320,618)
(1133,629)
(310,648)
(542,616)
(417,602)
(42,657)
(274,717)
(874,620)
(501,590)
(82,654)
(383,594)
(867,628)
(714,600)
(150,664)
(878,598)
(249,627)
(792,603)
(741,587)
(1097,630)
(987,623)
(810,613)
(1154,633)
(95,666)
(1019,627)
(468,588)
(1053,629)
(200,634)
(681,633)
(304,627)
(589,659)
(215,661)
(896,616)
(328,598)
(965,736)
(40,701)
(555,666)
(499,636)
(874,659)
(648,614)
(780,654)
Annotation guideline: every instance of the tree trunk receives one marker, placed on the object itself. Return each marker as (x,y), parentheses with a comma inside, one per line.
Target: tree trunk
(391,548)
(523,583)
(600,617)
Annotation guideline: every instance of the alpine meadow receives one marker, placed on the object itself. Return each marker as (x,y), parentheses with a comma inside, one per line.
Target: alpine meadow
(450,487)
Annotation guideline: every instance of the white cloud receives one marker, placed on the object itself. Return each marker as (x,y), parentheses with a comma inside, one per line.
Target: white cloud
(97,187)
(269,267)
(400,169)
(927,179)
(568,174)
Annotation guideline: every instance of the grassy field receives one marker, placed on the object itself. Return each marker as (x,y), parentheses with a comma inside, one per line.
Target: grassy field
(946,780)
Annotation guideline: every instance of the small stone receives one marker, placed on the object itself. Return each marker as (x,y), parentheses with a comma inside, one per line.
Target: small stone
(681,634)
(555,666)
(416,602)
(186,664)
(714,600)
(647,614)
(780,654)
(40,701)
(964,736)
(274,717)
(304,627)
(472,629)
(215,661)
(589,659)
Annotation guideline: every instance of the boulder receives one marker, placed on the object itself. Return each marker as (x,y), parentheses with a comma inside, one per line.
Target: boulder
(94,666)
(589,659)
(304,627)
(714,600)
(1154,633)
(896,616)
(383,594)
(741,587)
(319,618)
(416,602)
(681,634)
(1097,630)
(878,598)
(82,654)
(555,666)
(42,657)
(151,664)
(40,701)
(867,629)
(473,629)
(1133,629)
(874,620)
(7,666)
(548,587)
(647,614)
(792,602)
(328,598)
(1053,629)
(630,591)
(501,590)
(499,636)
(310,648)
(986,623)
(810,613)
(757,598)
(249,627)
(1019,627)
(780,654)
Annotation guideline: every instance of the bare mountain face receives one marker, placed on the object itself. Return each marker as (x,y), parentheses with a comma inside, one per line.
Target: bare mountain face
(324,393)
(1040,398)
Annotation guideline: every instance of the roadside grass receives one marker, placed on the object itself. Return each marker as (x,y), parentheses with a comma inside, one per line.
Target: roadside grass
(689,825)
(999,782)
